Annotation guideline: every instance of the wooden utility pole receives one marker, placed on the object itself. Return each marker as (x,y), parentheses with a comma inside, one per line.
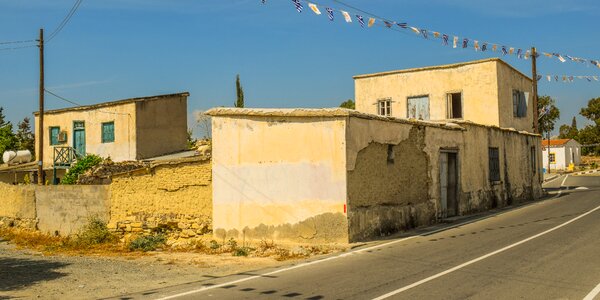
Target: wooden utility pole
(535,90)
(41,115)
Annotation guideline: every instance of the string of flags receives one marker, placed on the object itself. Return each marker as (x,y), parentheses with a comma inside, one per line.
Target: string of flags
(567,78)
(457,42)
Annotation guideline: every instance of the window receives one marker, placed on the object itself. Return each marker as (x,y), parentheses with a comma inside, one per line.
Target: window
(454,106)
(54,132)
(108,132)
(552,157)
(384,107)
(533,160)
(418,108)
(519,104)
(390,154)
(494,164)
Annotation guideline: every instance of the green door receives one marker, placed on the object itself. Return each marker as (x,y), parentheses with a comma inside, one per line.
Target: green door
(79,137)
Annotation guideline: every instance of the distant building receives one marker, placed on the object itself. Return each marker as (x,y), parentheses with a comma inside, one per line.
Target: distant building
(489,92)
(130,129)
(563,152)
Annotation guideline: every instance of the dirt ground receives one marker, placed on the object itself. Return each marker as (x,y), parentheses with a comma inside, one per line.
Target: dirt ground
(29,274)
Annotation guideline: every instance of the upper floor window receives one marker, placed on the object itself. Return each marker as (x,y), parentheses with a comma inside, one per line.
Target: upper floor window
(519,104)
(54,132)
(418,108)
(384,107)
(455,106)
(108,132)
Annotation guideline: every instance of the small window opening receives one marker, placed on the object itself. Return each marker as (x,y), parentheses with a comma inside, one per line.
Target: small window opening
(390,154)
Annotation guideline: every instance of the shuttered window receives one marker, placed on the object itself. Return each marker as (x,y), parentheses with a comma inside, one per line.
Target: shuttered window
(54,132)
(494,157)
(108,132)
(519,104)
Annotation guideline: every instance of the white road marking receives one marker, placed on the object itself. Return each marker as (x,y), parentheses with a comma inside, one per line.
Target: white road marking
(563,182)
(420,282)
(286,269)
(582,188)
(593,293)
(558,177)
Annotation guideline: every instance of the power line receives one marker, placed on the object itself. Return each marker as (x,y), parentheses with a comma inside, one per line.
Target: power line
(65,20)
(79,105)
(20,47)
(16,42)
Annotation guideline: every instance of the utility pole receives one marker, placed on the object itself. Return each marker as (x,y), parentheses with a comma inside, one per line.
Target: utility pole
(41,115)
(535,89)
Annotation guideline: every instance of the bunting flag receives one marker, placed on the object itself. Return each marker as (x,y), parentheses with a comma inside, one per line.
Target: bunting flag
(556,78)
(361,21)
(264,1)
(588,79)
(549,78)
(520,53)
(346,16)
(539,77)
(595,78)
(314,8)
(571,78)
(298,5)
(329,13)
(371,22)
(445,39)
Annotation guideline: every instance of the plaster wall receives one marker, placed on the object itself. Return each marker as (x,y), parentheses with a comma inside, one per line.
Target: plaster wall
(509,80)
(17,201)
(123,116)
(279,178)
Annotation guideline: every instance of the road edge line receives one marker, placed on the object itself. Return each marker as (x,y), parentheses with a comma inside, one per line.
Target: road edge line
(593,293)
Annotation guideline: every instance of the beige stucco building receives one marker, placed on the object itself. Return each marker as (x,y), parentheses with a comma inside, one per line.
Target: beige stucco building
(489,92)
(336,175)
(130,129)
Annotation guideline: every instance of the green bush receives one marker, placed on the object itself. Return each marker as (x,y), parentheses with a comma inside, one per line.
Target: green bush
(147,243)
(93,233)
(82,165)
(241,251)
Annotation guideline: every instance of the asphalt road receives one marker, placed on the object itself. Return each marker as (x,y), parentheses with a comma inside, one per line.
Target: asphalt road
(546,250)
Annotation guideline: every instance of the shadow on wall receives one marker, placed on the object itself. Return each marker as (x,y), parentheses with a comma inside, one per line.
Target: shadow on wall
(18,273)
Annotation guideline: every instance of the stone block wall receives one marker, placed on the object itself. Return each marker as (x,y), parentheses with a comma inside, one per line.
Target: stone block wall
(175,197)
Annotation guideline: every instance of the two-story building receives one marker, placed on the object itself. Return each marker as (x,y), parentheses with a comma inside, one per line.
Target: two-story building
(488,91)
(129,129)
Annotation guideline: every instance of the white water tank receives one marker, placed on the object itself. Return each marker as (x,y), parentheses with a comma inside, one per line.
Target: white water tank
(16,157)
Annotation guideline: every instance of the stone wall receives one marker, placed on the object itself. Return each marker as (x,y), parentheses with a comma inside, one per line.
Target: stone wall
(174,196)
(17,206)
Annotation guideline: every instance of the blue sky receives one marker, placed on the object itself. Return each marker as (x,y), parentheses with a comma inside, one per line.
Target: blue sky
(115,49)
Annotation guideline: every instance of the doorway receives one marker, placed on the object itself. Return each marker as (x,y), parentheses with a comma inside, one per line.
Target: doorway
(449,183)
(79,137)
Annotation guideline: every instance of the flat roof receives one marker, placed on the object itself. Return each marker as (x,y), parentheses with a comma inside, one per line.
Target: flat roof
(343,112)
(113,103)
(556,142)
(441,67)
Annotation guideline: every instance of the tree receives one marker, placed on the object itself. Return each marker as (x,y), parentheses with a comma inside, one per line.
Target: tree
(592,111)
(240,93)
(191,141)
(8,141)
(547,120)
(569,132)
(203,121)
(349,104)
(25,137)
(591,134)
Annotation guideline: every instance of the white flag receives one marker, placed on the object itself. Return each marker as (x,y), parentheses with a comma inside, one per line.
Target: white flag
(454,42)
(562,59)
(346,16)
(595,78)
(314,8)
(549,78)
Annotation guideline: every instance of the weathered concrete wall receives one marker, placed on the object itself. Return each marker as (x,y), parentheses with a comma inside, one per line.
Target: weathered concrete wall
(486,88)
(177,194)
(64,210)
(280,177)
(17,205)
(161,126)
(123,116)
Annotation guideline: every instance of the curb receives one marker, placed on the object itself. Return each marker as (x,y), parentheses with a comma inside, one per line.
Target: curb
(551,178)
(586,172)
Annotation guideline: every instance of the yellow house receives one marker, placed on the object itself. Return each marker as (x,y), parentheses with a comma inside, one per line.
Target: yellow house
(488,92)
(130,129)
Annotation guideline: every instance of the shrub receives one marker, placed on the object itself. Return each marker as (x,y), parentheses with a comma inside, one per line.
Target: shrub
(93,233)
(147,243)
(82,165)
(241,251)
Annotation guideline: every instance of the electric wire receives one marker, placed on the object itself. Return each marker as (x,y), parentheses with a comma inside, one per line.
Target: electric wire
(66,20)
(80,105)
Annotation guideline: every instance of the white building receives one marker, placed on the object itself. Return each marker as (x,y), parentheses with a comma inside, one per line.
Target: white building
(563,152)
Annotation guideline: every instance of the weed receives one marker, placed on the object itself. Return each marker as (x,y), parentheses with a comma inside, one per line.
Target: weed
(147,243)
(241,251)
(93,233)
(214,245)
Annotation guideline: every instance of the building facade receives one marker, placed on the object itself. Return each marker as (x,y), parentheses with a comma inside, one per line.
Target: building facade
(488,92)
(561,153)
(130,129)
(339,176)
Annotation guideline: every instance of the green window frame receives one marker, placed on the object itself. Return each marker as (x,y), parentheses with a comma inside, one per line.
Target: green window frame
(54,132)
(108,132)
